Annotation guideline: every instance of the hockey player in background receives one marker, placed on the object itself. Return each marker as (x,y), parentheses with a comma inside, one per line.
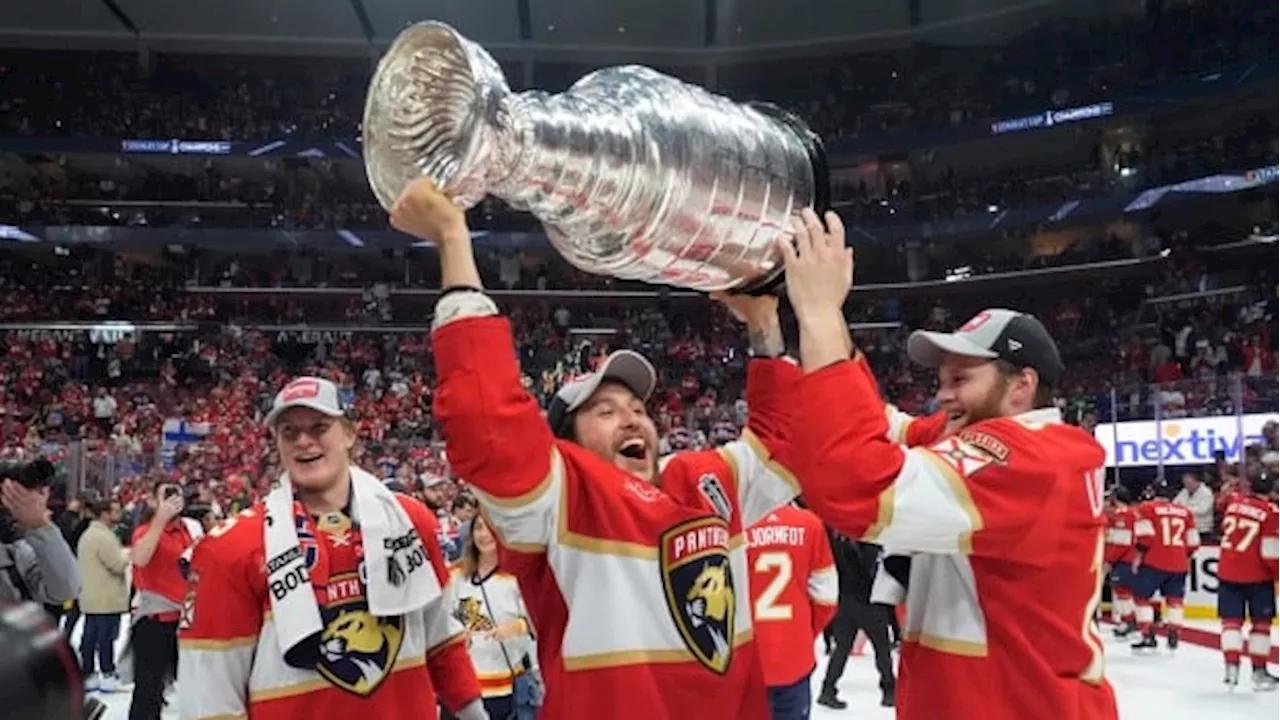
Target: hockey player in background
(1165,535)
(1004,518)
(1119,555)
(632,567)
(793,596)
(1247,573)
(324,601)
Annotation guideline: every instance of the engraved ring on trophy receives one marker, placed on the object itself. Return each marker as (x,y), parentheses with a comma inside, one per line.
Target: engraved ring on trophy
(632,173)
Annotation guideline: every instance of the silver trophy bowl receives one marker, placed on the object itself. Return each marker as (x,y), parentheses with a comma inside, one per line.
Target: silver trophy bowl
(632,173)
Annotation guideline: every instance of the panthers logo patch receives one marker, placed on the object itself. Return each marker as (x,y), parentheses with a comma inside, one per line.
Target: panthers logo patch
(698,582)
(469,612)
(358,650)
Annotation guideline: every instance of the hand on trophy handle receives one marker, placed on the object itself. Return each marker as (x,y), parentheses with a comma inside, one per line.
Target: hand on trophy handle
(760,314)
(819,272)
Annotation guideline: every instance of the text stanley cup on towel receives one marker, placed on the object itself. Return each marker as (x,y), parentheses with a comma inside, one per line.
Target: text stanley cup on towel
(634,174)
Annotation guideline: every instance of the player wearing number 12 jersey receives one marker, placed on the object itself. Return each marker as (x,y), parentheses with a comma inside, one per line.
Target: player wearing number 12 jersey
(1165,535)
(794,591)
(1247,571)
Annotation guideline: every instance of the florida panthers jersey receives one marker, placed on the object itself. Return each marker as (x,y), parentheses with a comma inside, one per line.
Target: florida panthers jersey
(1249,547)
(1120,540)
(1005,520)
(1166,535)
(591,544)
(230,662)
(794,590)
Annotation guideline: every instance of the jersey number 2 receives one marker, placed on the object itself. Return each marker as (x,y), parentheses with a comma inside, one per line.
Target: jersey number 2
(767,605)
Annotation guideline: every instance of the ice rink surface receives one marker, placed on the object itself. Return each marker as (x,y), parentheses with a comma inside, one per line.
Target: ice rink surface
(1186,685)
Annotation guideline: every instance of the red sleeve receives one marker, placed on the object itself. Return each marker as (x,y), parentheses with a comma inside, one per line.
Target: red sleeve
(762,460)
(1119,536)
(771,385)
(905,429)
(495,434)
(453,675)
(221,621)
(980,492)
(824,583)
(1270,546)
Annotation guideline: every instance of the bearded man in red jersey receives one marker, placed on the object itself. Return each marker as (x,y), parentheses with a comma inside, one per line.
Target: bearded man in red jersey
(634,568)
(1004,517)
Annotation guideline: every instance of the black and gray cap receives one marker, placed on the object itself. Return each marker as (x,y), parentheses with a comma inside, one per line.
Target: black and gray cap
(623,366)
(1015,337)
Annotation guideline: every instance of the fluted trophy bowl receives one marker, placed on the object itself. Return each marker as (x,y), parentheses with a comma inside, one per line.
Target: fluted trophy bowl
(632,173)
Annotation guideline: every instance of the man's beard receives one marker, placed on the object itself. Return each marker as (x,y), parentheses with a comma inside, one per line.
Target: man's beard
(989,407)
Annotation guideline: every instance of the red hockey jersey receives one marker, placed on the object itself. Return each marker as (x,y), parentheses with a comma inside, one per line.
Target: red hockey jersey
(794,590)
(1120,540)
(638,592)
(230,664)
(1166,535)
(1250,547)
(1006,520)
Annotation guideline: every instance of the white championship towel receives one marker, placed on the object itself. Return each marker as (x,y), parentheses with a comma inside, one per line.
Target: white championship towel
(399,577)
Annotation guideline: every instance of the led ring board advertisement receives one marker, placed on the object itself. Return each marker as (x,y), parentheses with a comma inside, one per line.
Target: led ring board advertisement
(1181,441)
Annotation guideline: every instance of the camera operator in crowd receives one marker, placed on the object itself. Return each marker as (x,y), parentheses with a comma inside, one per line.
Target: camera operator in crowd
(161,548)
(36,564)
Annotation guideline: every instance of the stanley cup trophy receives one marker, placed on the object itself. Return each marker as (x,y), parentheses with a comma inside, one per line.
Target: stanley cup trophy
(634,174)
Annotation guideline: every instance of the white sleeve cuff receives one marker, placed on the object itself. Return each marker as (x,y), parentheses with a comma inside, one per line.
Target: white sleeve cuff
(462,304)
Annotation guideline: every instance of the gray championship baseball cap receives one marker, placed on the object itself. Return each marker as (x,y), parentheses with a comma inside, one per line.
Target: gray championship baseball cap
(310,392)
(623,366)
(1015,337)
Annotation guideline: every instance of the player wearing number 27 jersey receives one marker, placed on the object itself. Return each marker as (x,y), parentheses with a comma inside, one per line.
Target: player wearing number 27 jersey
(794,590)
(1248,561)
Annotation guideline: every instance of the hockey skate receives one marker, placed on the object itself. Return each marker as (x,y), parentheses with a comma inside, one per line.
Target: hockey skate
(1264,681)
(1171,637)
(1123,630)
(1232,678)
(1144,643)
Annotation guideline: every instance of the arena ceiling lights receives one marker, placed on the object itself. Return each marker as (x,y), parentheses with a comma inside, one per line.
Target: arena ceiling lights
(659,32)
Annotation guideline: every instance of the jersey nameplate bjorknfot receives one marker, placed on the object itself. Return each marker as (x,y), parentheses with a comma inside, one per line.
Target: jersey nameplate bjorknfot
(697,580)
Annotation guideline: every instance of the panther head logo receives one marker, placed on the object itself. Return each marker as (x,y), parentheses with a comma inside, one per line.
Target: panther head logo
(358,650)
(710,603)
(468,613)
(698,582)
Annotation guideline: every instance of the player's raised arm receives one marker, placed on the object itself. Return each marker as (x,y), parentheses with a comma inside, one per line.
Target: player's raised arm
(980,491)
(494,431)
(762,458)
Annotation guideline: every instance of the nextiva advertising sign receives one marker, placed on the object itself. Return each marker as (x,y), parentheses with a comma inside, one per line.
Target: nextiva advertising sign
(1184,441)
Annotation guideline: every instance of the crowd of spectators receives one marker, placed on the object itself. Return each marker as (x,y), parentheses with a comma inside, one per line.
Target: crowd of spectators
(1055,64)
(100,408)
(1058,63)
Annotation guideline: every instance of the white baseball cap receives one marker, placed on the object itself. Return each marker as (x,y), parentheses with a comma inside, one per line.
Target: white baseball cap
(624,366)
(309,392)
